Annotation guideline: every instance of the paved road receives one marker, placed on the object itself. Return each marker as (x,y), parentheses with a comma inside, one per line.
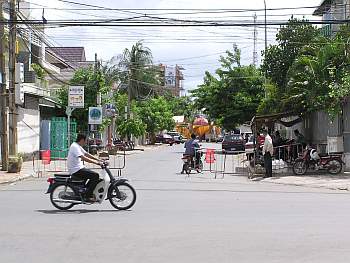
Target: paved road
(178,219)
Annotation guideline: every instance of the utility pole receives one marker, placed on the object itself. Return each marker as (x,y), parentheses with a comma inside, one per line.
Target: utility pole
(128,111)
(129,96)
(3,95)
(255,52)
(13,140)
(97,69)
(265,26)
(95,62)
(265,45)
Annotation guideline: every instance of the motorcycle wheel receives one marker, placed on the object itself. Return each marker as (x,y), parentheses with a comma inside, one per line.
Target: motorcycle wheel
(200,167)
(127,197)
(188,169)
(334,167)
(57,192)
(299,167)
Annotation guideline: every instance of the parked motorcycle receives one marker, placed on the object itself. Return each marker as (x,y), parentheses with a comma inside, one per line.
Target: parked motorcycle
(311,160)
(190,163)
(66,192)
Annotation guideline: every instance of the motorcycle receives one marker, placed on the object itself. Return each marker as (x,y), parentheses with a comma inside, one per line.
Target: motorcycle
(310,160)
(66,192)
(190,164)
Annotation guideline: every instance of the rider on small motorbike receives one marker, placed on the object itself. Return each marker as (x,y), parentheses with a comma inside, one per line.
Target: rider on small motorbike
(190,150)
(76,168)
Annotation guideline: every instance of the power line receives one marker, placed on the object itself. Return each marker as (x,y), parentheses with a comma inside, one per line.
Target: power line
(184,9)
(180,23)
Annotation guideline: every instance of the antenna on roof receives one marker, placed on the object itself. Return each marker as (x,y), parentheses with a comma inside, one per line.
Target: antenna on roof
(43,17)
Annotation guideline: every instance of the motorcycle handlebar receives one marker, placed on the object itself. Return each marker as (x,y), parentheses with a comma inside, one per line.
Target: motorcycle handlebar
(104,164)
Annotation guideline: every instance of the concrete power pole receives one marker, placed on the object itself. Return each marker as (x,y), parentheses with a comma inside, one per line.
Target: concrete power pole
(255,34)
(128,110)
(3,95)
(13,140)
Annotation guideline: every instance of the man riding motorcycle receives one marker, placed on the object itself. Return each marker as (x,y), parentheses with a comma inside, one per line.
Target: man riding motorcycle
(76,168)
(190,150)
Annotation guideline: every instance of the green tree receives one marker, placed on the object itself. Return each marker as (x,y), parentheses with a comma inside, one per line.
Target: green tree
(319,78)
(134,126)
(156,115)
(93,83)
(181,106)
(291,39)
(234,96)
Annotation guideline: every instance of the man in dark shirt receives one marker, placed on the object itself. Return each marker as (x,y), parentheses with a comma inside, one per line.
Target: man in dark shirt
(191,147)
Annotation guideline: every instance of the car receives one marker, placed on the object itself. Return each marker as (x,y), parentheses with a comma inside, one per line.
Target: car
(176,136)
(165,139)
(233,143)
(219,138)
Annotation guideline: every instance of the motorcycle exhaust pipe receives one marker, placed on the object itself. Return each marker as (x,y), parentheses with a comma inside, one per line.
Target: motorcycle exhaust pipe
(68,201)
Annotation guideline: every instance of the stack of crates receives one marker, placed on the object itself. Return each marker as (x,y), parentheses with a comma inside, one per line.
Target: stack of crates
(59,144)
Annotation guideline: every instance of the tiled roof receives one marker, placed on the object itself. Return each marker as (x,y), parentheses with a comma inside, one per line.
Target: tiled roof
(70,54)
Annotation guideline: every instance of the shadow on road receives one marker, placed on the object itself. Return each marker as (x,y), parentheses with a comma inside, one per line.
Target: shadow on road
(77,211)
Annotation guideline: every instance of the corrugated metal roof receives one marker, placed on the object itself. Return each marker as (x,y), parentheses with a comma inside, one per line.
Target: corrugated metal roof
(324,6)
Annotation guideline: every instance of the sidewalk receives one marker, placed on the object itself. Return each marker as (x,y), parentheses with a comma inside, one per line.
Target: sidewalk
(26,172)
(332,182)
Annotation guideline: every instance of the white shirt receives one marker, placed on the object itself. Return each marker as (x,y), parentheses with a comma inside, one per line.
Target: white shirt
(268,146)
(74,162)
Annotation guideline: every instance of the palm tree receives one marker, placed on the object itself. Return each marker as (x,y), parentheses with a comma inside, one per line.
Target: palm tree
(138,70)
(112,72)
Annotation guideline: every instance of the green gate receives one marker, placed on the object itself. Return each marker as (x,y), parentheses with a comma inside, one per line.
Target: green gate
(59,144)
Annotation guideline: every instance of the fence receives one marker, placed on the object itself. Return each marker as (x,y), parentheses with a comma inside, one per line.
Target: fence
(282,161)
(221,163)
(44,163)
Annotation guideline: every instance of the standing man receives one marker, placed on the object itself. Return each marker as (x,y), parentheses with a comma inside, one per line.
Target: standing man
(300,139)
(268,152)
(76,168)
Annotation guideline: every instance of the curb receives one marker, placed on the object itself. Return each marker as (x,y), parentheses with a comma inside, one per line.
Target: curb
(309,185)
(18,178)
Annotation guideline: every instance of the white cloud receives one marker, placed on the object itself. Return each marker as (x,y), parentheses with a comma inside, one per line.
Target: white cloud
(108,42)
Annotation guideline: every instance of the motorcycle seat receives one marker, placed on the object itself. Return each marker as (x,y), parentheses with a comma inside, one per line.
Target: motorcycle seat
(65,177)
(62,175)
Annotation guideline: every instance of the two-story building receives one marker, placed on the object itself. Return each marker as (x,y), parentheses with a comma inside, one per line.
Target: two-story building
(41,70)
(33,96)
(331,10)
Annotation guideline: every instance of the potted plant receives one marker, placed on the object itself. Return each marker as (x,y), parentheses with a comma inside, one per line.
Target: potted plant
(40,74)
(15,163)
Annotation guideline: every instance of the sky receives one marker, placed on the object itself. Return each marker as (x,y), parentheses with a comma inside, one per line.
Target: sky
(197,49)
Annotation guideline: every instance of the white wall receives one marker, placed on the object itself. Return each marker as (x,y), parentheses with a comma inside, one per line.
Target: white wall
(28,137)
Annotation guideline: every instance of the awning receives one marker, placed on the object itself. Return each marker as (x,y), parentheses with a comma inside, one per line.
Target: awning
(260,120)
(48,102)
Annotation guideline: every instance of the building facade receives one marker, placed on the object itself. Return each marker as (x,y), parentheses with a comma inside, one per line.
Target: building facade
(33,96)
(173,79)
(333,10)
(331,134)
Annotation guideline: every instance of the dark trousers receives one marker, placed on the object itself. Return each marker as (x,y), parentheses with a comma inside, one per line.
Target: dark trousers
(268,164)
(87,174)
